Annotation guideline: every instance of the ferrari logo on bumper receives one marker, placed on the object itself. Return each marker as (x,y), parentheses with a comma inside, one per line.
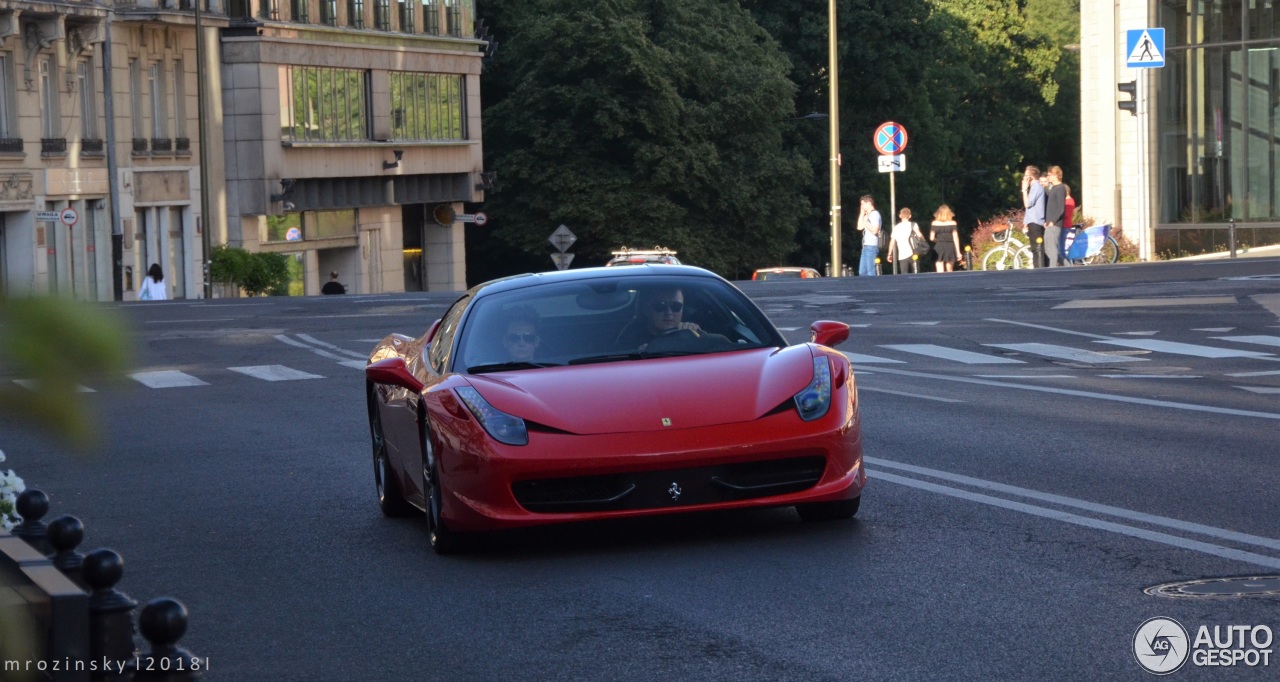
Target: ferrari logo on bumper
(674,491)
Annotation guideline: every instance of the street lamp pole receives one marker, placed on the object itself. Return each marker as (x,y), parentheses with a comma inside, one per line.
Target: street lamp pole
(206,239)
(834,126)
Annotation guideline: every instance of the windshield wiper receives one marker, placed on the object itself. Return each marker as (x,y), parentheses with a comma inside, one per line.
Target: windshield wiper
(508,366)
(612,357)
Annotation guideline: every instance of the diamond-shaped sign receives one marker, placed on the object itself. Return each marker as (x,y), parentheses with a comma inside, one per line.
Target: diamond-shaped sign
(562,239)
(562,260)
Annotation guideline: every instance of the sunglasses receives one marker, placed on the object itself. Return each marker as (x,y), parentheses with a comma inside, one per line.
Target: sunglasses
(527,337)
(664,306)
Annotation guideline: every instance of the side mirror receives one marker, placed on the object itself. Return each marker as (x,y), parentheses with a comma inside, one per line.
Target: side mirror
(828,333)
(431,331)
(394,372)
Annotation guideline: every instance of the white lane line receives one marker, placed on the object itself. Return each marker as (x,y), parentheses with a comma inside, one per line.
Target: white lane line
(166,378)
(1150,376)
(922,324)
(909,395)
(1185,348)
(1258,340)
(1027,376)
(33,385)
(1120,512)
(1066,353)
(317,342)
(274,373)
(1256,374)
(1051,329)
(298,344)
(1211,409)
(787,329)
(1220,330)
(1067,517)
(358,364)
(208,319)
(871,359)
(1137,333)
(1269,390)
(1144,302)
(955,354)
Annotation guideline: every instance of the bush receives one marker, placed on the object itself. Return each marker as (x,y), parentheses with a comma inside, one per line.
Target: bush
(255,273)
(982,240)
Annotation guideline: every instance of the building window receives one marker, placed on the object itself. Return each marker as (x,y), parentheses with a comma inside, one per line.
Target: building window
(328,105)
(135,102)
(427,106)
(329,12)
(431,17)
(382,14)
(453,17)
(269,9)
(311,225)
(298,11)
(50,122)
(179,100)
(159,105)
(406,15)
(355,13)
(88,100)
(7,128)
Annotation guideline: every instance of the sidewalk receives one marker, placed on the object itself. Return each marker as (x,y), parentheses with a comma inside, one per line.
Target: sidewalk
(1270,251)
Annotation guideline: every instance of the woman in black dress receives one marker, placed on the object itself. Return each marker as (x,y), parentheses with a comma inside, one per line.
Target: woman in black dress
(945,238)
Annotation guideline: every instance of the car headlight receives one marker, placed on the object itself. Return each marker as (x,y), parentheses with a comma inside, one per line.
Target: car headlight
(814,401)
(503,427)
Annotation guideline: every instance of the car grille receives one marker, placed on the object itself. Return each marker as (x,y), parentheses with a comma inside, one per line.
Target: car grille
(669,488)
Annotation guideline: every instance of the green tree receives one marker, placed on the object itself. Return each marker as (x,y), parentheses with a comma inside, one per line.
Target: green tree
(639,122)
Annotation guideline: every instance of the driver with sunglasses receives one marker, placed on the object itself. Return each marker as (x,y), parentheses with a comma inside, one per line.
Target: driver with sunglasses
(660,312)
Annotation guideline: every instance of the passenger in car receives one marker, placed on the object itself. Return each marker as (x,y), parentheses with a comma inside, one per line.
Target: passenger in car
(522,334)
(659,311)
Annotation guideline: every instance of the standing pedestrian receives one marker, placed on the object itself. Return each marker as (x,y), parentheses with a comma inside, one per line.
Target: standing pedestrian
(333,286)
(1054,212)
(945,238)
(153,288)
(869,225)
(900,251)
(1033,217)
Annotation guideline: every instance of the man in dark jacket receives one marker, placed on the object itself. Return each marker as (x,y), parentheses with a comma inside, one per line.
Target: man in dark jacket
(333,286)
(1055,211)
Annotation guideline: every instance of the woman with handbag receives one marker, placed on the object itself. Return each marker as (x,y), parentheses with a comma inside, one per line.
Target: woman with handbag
(901,246)
(946,238)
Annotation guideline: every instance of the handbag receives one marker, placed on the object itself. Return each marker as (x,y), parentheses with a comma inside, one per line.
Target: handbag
(919,246)
(882,239)
(144,292)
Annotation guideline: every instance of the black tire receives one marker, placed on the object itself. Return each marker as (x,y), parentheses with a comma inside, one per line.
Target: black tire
(443,540)
(829,511)
(390,498)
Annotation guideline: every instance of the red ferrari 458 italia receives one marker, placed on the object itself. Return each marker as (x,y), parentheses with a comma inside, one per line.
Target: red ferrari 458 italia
(607,393)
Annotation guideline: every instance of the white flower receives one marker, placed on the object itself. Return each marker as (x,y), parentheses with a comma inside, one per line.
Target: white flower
(1,455)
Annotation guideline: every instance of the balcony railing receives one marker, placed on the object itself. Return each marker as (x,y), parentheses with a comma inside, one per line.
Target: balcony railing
(10,144)
(183,145)
(91,146)
(140,145)
(53,145)
(161,144)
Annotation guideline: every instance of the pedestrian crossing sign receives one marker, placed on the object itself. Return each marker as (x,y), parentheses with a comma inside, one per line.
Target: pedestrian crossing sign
(1144,48)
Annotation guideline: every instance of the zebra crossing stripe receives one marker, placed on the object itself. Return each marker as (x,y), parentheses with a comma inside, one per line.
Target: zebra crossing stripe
(1261,389)
(871,359)
(944,353)
(274,373)
(1259,340)
(357,364)
(166,378)
(1066,353)
(1184,348)
(33,385)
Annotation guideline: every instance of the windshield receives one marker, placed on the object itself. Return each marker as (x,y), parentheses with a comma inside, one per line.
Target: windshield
(609,320)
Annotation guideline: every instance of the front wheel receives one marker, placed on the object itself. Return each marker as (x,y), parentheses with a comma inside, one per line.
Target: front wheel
(829,511)
(997,259)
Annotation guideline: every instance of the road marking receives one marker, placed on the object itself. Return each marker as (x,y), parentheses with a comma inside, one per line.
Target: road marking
(909,395)
(1257,340)
(274,373)
(944,353)
(317,342)
(1221,330)
(787,329)
(1261,389)
(298,344)
(921,324)
(1128,514)
(1185,348)
(1211,409)
(1256,374)
(1144,302)
(33,385)
(1052,329)
(1137,333)
(1150,376)
(871,359)
(166,378)
(358,364)
(1027,376)
(1067,517)
(207,319)
(1066,353)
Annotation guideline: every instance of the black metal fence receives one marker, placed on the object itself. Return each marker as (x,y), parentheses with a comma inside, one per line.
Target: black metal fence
(77,627)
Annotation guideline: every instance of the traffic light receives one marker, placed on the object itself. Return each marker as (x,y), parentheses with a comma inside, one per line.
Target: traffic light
(1131,89)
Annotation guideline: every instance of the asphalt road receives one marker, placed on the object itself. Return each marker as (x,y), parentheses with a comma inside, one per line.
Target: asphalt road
(1042,447)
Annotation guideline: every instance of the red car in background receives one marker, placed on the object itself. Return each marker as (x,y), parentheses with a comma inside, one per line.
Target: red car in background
(784,272)
(531,402)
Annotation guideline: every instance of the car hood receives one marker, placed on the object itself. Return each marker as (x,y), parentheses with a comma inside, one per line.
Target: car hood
(638,395)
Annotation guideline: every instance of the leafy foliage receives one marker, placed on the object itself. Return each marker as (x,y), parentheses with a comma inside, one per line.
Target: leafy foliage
(255,273)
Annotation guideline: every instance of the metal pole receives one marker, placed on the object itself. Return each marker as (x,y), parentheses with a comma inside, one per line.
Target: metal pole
(206,240)
(834,127)
(113,181)
(1231,237)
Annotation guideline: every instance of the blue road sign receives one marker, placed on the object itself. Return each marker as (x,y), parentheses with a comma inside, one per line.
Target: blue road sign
(1144,48)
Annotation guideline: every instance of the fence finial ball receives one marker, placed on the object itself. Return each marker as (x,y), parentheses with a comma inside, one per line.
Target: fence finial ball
(66,533)
(103,568)
(32,505)
(163,622)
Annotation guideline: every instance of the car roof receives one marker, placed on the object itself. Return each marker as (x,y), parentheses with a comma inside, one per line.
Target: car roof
(587,274)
